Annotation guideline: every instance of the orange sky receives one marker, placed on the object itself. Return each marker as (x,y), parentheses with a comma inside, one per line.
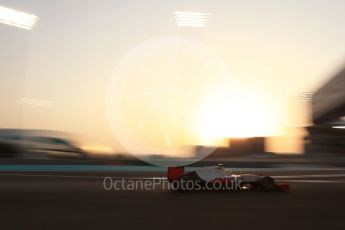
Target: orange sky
(259,57)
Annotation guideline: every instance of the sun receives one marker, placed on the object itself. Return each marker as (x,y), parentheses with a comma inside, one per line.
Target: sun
(230,111)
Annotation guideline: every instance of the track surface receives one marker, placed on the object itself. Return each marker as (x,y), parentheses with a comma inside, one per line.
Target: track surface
(78,200)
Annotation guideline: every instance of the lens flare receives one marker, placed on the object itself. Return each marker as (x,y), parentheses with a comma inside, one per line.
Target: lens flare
(17,18)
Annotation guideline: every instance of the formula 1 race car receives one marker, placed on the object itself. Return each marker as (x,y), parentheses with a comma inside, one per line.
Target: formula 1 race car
(220,178)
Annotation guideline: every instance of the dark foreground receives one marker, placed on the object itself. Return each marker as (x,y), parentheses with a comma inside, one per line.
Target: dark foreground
(64,200)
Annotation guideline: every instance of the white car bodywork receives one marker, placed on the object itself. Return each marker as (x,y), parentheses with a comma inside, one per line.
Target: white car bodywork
(217,172)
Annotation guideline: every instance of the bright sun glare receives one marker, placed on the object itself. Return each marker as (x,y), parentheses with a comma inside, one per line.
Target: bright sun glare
(229,112)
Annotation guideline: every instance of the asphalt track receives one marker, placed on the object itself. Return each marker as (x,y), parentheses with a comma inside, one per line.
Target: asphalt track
(48,199)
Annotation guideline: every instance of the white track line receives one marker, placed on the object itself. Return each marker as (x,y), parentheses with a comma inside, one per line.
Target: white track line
(46,175)
(91,177)
(315,181)
(310,176)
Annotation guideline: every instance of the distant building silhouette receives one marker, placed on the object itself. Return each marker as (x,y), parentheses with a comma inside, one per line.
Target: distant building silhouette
(327,134)
(238,147)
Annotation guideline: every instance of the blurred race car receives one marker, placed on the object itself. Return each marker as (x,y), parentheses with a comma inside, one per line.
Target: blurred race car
(220,178)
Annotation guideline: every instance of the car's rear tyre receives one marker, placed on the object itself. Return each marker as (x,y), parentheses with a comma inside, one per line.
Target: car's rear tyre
(190,182)
(267,184)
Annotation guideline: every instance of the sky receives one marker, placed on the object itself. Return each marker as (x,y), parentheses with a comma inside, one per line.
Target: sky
(248,66)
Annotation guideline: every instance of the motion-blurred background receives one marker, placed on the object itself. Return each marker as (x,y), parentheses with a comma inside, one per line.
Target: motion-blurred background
(249,79)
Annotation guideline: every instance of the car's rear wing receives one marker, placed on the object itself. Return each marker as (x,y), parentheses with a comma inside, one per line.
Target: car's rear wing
(174,173)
